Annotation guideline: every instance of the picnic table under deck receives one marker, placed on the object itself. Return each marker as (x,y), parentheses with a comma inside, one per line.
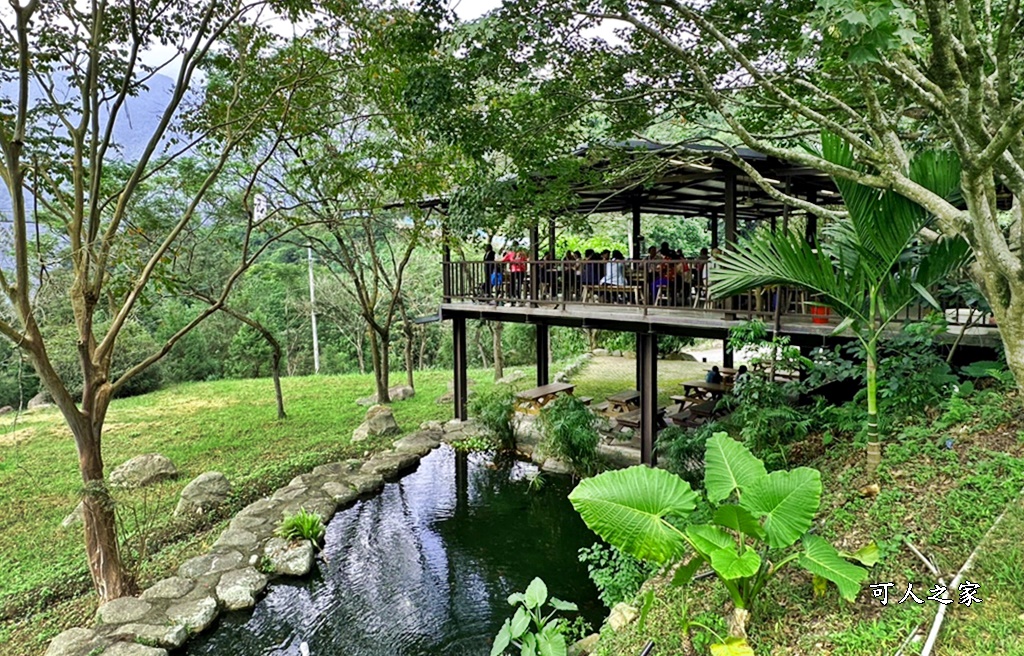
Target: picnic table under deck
(703,388)
(532,400)
(623,402)
(631,419)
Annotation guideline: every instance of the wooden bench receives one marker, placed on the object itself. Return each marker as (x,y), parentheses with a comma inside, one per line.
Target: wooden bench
(596,293)
(585,400)
(705,409)
(632,419)
(532,400)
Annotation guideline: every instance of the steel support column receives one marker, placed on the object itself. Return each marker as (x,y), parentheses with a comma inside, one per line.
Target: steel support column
(461,378)
(727,359)
(648,354)
(543,354)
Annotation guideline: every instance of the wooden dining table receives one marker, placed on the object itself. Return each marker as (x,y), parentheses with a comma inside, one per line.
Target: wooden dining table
(623,402)
(703,388)
(533,400)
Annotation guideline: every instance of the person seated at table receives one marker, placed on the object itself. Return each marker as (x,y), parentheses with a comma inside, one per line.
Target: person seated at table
(741,372)
(714,376)
(592,269)
(615,270)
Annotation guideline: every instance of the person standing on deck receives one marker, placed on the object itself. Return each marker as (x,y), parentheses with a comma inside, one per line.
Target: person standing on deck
(489,256)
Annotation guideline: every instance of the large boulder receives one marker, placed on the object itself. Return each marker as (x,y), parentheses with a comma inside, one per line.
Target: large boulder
(514,377)
(76,518)
(396,393)
(239,588)
(6,410)
(379,421)
(290,558)
(76,642)
(203,494)
(143,470)
(40,400)
(123,610)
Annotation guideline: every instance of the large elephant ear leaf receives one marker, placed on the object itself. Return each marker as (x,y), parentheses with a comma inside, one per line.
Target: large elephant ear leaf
(821,558)
(628,507)
(787,500)
(728,465)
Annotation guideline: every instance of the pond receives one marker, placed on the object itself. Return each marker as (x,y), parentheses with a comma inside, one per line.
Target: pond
(425,567)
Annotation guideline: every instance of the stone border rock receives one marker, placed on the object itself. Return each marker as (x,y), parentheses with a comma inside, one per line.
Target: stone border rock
(235,572)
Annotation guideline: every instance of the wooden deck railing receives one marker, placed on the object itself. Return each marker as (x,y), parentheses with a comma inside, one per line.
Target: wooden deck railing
(678,285)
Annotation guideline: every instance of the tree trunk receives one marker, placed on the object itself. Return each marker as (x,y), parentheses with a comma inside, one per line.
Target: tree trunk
(101,544)
(275,365)
(407,331)
(275,354)
(874,451)
(423,348)
(499,355)
(379,359)
(360,355)
(484,362)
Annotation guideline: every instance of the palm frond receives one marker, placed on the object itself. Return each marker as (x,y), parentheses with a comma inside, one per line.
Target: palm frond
(789,260)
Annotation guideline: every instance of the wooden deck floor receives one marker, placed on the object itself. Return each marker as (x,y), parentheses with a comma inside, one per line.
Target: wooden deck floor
(686,322)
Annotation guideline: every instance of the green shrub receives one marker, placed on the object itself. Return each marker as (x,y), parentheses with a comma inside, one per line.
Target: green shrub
(303,525)
(681,451)
(532,630)
(767,418)
(617,575)
(761,522)
(571,433)
(494,410)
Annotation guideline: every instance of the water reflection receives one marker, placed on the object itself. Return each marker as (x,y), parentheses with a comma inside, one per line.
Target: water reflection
(423,568)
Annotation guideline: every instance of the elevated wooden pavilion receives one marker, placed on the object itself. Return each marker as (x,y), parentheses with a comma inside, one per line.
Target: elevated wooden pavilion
(549,292)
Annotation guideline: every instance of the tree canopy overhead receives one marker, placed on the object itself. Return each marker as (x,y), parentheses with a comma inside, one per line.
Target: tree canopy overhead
(890,78)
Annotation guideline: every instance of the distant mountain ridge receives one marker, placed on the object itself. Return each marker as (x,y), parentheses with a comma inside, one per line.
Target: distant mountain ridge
(137,120)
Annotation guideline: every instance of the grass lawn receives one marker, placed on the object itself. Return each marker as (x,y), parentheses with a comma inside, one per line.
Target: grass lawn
(227,426)
(942,499)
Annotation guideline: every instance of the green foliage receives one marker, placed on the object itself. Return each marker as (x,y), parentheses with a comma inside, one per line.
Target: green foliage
(473,443)
(134,344)
(767,418)
(303,525)
(617,575)
(530,631)
(989,369)
(912,375)
(571,432)
(494,410)
(759,517)
(681,451)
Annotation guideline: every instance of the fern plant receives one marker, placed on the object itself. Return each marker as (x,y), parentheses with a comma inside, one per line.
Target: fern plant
(303,525)
(758,520)
(494,410)
(570,430)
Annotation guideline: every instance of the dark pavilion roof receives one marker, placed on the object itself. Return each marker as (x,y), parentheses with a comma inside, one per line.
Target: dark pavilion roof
(680,181)
(687,184)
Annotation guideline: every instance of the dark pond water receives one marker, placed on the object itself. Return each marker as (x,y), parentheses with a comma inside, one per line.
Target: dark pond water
(423,568)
